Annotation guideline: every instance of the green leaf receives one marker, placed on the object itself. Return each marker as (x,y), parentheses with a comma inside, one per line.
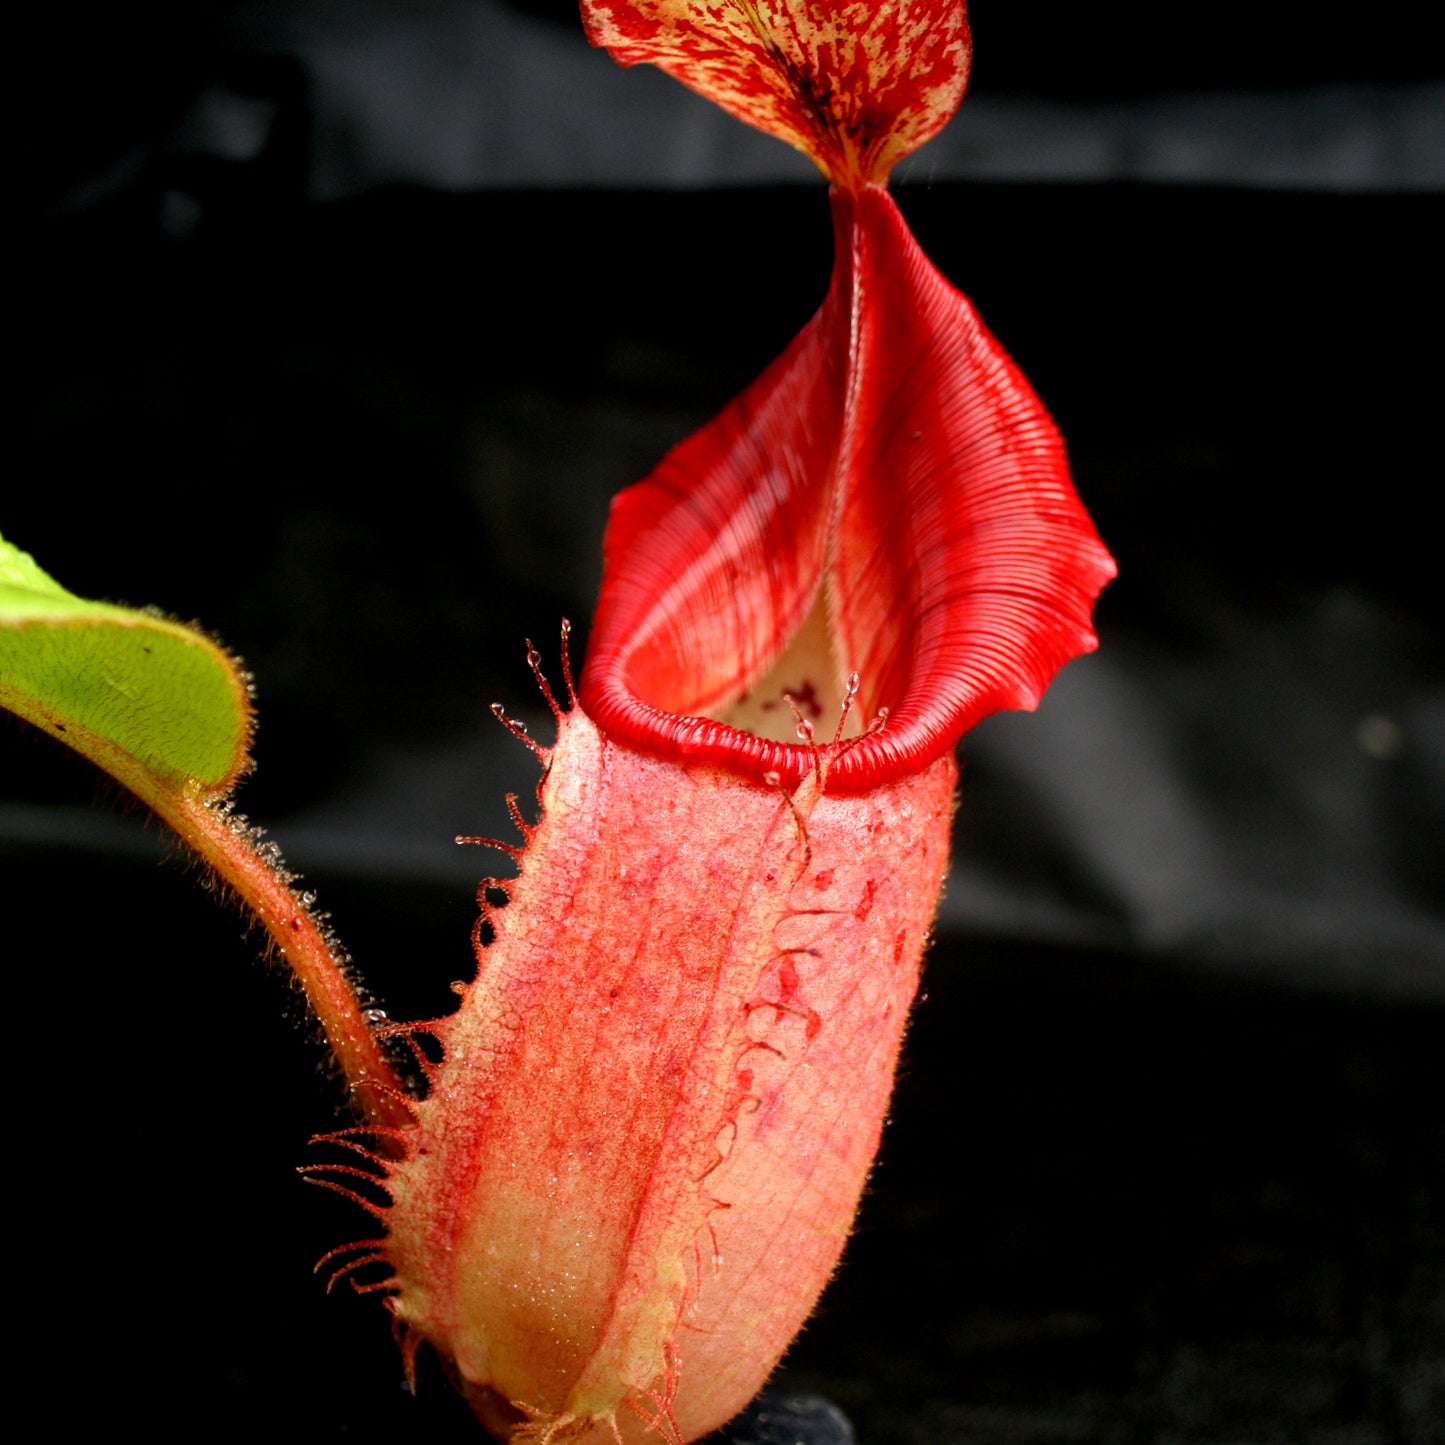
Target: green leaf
(152,702)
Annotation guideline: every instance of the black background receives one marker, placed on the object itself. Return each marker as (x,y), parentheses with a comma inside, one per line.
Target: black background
(1166,1161)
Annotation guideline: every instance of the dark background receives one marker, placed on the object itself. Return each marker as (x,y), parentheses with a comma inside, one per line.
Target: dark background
(338,325)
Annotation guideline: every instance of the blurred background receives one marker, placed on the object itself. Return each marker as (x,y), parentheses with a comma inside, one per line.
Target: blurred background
(338,325)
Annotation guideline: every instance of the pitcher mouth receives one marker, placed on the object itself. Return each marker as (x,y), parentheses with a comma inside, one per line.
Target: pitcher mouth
(890,500)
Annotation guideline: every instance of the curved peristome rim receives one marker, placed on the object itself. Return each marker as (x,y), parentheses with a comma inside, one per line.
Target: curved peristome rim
(940,463)
(906,742)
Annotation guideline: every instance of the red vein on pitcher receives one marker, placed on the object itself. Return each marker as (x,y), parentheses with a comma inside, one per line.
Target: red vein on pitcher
(657,1104)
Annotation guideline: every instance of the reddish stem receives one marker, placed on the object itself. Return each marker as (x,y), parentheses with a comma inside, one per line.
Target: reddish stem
(202,818)
(225,844)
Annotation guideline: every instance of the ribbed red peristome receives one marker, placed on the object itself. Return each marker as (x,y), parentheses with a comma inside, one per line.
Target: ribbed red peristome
(894,456)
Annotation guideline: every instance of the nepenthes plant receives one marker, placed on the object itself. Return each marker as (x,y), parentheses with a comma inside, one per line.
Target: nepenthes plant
(638,1144)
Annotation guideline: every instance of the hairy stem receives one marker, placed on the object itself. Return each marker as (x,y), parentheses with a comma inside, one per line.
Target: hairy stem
(228,846)
(204,821)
